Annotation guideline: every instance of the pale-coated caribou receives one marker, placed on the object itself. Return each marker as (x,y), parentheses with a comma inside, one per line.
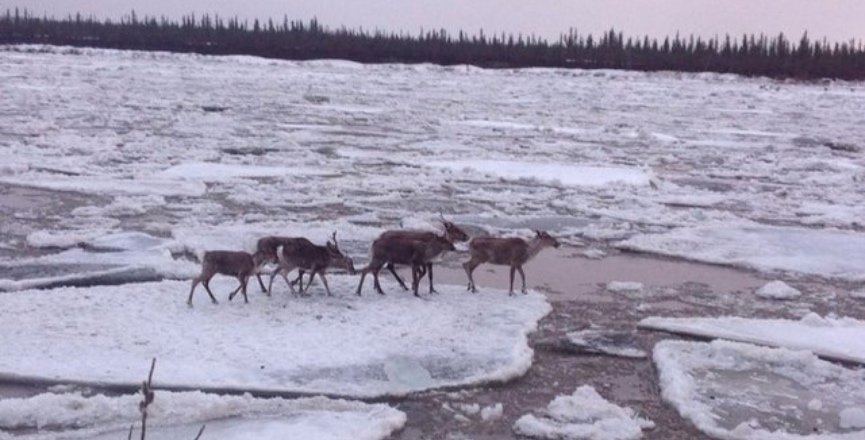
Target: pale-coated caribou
(513,252)
(238,264)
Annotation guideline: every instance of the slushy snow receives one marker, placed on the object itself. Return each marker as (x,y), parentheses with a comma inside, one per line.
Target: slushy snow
(181,414)
(584,415)
(778,290)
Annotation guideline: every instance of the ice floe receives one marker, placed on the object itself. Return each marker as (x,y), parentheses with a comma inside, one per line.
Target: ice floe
(346,345)
(603,341)
(583,415)
(739,391)
(778,290)
(181,414)
(825,252)
(836,338)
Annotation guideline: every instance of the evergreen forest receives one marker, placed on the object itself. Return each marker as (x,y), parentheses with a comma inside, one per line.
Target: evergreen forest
(775,56)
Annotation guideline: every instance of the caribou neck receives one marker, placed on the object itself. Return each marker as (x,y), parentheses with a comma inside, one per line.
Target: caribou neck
(535,246)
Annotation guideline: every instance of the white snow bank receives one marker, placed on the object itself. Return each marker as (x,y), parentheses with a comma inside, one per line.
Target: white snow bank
(827,253)
(841,338)
(226,417)
(570,175)
(345,345)
(583,415)
(738,391)
(778,290)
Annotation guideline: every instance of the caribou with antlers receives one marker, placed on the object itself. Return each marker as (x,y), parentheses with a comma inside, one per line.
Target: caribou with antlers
(415,248)
(266,252)
(513,252)
(405,250)
(305,256)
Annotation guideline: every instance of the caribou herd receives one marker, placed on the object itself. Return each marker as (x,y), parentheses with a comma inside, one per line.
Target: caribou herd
(417,249)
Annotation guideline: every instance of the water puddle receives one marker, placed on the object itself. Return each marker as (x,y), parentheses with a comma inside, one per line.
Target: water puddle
(564,275)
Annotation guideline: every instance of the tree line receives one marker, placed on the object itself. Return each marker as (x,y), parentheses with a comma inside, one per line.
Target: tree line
(750,55)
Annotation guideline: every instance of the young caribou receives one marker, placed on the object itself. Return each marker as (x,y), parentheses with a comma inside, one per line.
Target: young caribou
(310,257)
(513,252)
(238,264)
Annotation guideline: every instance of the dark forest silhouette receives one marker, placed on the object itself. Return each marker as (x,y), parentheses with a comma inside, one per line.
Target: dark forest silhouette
(750,55)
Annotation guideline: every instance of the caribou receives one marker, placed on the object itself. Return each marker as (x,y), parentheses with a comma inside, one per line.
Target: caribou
(451,232)
(513,252)
(238,264)
(418,253)
(266,250)
(402,247)
(305,256)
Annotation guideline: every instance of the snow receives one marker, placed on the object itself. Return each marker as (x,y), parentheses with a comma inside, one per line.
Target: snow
(609,342)
(99,257)
(694,166)
(211,172)
(824,252)
(836,338)
(625,287)
(739,391)
(853,418)
(493,412)
(181,414)
(550,173)
(778,290)
(367,346)
(583,415)
(99,185)
(689,165)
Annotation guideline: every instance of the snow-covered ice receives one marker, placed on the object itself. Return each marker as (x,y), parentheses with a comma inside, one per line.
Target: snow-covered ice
(345,345)
(778,290)
(98,258)
(689,165)
(181,414)
(836,338)
(825,252)
(609,342)
(583,415)
(628,287)
(738,391)
(550,173)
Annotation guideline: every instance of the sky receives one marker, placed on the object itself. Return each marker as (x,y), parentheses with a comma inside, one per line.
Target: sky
(836,20)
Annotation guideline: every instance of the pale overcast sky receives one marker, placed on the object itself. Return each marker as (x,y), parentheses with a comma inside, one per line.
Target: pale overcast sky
(838,20)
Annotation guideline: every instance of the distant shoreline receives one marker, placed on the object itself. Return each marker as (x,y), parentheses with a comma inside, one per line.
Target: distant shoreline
(749,55)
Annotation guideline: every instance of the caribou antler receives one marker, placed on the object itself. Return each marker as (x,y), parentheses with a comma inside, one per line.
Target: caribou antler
(335,244)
